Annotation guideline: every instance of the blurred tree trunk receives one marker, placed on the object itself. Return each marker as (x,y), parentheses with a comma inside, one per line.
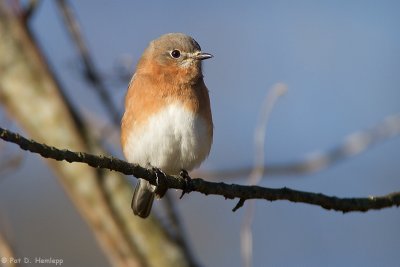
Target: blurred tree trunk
(31,96)
(6,253)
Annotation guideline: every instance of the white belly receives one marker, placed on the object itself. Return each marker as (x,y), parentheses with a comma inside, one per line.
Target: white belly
(172,140)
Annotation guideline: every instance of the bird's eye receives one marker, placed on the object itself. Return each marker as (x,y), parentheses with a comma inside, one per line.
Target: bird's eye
(175,53)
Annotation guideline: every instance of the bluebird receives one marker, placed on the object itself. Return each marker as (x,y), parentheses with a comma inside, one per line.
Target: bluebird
(167,123)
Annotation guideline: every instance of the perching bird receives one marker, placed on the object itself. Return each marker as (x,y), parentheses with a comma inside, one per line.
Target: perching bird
(167,122)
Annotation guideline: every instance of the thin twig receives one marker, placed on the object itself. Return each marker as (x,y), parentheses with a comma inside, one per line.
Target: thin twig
(25,12)
(230,191)
(259,136)
(255,176)
(91,73)
(30,9)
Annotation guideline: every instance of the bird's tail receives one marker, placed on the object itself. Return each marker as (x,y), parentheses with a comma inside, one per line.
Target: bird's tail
(142,199)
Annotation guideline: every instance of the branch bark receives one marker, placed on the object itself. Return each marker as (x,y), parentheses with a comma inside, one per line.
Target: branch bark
(230,191)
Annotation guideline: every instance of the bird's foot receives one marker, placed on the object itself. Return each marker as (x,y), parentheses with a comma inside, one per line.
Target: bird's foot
(161,181)
(187,188)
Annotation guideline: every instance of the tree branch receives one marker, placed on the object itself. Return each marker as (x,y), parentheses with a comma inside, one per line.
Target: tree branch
(230,191)
(91,73)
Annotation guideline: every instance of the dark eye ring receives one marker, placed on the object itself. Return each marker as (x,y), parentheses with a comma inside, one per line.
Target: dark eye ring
(175,53)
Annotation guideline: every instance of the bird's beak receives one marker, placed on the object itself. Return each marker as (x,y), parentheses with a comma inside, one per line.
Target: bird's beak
(202,56)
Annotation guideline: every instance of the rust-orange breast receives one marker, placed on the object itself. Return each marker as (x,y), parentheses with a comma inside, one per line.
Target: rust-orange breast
(154,87)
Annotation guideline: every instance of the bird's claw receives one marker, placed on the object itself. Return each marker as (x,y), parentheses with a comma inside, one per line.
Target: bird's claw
(187,188)
(161,181)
